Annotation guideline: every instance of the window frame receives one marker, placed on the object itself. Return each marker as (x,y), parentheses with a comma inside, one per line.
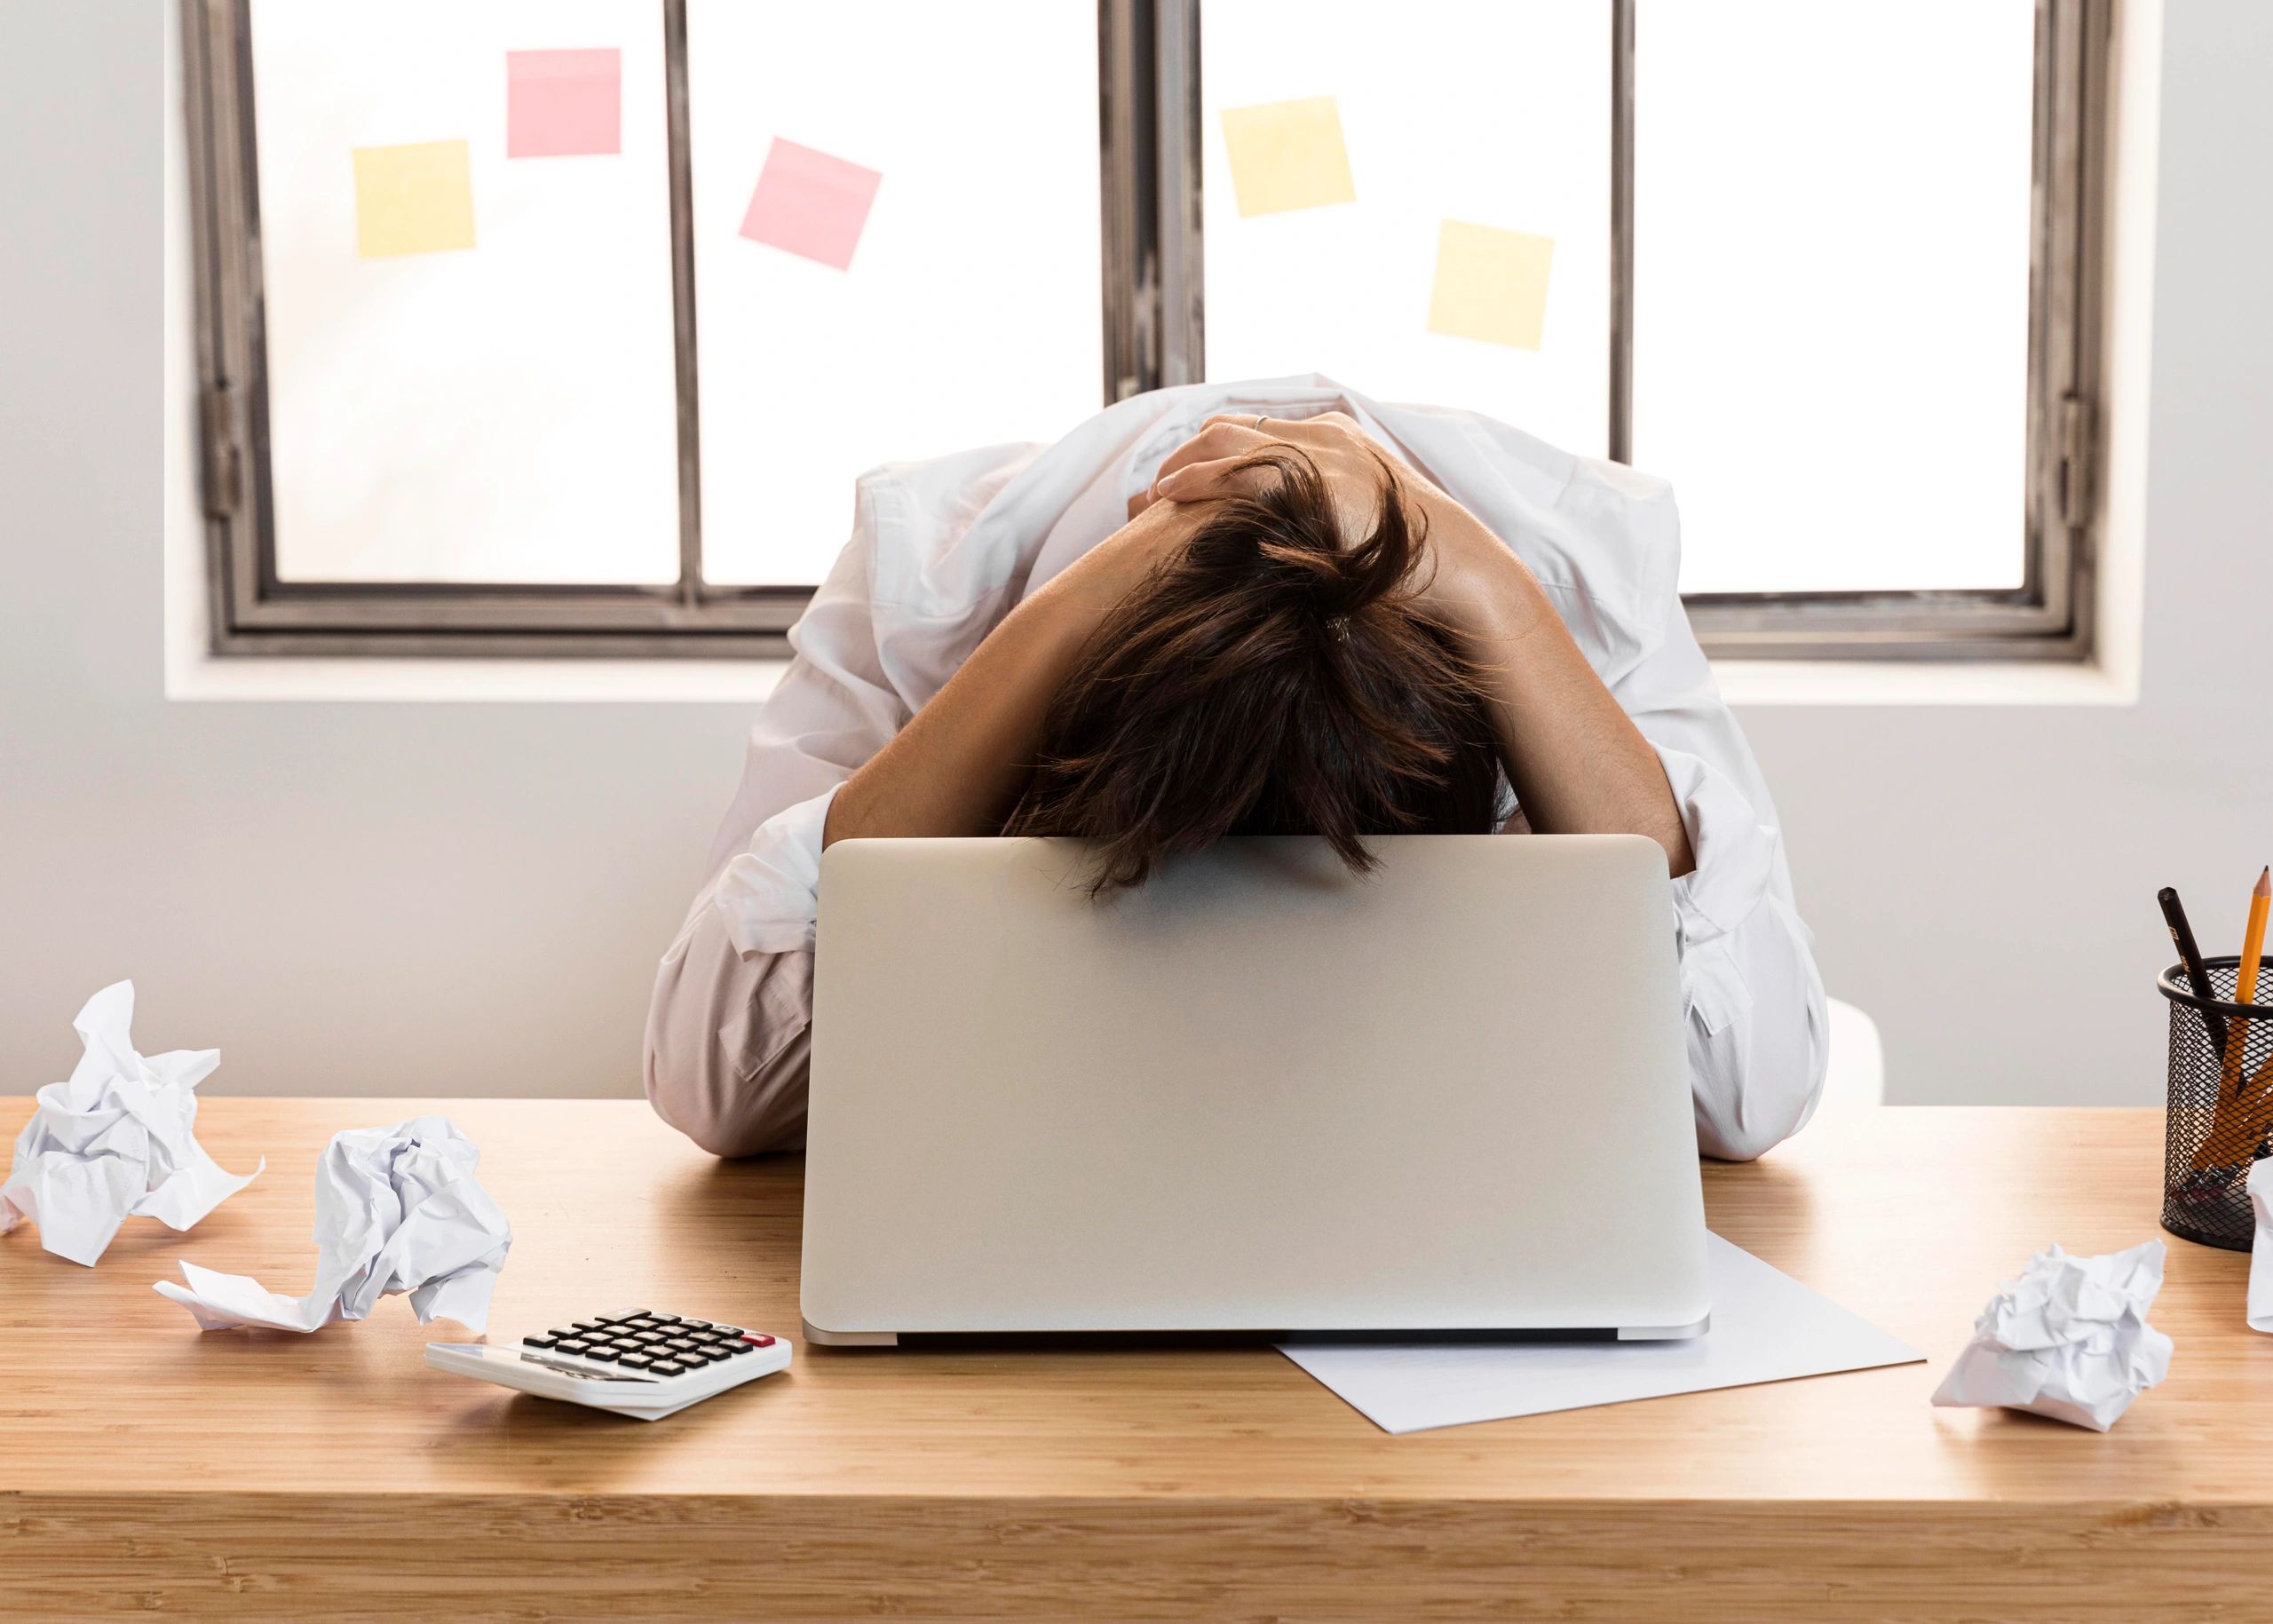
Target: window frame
(2048,617)
(1154,314)
(252,610)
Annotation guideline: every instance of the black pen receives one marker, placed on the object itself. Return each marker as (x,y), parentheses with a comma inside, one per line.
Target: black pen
(2190,955)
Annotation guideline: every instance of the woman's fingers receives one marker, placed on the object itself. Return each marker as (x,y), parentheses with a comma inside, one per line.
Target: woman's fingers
(1217,477)
(1218,437)
(1207,464)
(1232,434)
(1194,475)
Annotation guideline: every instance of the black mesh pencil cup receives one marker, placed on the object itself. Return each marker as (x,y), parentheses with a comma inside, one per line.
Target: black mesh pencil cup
(2220,1103)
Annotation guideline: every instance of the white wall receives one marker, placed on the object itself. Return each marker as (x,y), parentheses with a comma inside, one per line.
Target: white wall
(447,899)
(467,898)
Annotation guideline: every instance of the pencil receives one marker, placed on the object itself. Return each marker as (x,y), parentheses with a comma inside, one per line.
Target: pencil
(2182,935)
(2253,951)
(2241,1119)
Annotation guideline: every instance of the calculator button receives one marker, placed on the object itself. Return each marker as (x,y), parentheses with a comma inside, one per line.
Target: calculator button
(635,1361)
(728,1330)
(571,1346)
(714,1353)
(649,1337)
(694,1325)
(758,1339)
(545,1340)
(561,1333)
(664,1318)
(628,1313)
(665,1367)
(680,1344)
(603,1352)
(591,1324)
(730,1349)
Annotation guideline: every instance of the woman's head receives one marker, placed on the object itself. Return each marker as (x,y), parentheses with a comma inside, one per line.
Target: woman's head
(1268,680)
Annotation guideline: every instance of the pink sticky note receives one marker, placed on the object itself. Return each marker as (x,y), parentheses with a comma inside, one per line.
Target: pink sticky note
(563,104)
(810,203)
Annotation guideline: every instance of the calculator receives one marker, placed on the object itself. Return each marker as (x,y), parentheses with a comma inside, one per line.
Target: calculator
(636,1362)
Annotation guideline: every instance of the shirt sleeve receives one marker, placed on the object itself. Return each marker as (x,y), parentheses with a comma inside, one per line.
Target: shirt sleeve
(833,709)
(729,1026)
(729,1042)
(1754,1003)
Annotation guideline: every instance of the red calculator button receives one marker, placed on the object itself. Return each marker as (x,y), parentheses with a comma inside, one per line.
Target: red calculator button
(758,1339)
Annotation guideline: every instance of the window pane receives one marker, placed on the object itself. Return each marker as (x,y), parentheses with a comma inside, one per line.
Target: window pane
(470,352)
(1492,116)
(1831,288)
(895,230)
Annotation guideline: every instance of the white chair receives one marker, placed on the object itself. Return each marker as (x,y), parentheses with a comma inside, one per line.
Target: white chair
(1856,1080)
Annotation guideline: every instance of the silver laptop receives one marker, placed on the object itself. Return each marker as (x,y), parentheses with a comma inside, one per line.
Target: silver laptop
(1257,1094)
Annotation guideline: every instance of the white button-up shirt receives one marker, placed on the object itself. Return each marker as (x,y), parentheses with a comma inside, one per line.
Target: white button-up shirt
(942,550)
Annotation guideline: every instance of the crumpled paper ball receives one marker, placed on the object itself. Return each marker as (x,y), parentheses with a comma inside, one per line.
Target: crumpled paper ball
(2068,1339)
(397,1210)
(114,1141)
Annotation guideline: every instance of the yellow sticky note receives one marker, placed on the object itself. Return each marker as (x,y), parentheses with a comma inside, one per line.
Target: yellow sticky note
(1288,154)
(413,200)
(1491,284)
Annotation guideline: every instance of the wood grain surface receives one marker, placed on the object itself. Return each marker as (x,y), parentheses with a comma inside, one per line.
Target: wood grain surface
(147,1467)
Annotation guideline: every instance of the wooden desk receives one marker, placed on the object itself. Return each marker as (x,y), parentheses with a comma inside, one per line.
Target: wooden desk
(144,1467)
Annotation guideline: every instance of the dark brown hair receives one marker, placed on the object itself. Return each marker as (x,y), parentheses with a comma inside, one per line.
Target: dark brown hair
(1268,680)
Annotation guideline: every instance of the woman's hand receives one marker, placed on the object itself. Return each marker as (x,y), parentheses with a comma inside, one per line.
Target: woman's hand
(1472,577)
(1578,764)
(1354,468)
(958,766)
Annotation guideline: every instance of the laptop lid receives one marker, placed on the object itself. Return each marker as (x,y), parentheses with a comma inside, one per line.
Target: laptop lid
(1257,1093)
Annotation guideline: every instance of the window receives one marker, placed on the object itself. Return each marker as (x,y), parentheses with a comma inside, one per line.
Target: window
(1829,268)
(975,318)
(1347,289)
(530,326)
(563,326)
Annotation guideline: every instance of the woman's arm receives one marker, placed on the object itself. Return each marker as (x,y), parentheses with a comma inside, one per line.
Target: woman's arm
(1578,764)
(959,765)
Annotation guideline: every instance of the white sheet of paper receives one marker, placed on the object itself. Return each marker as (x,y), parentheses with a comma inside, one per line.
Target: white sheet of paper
(1766,1328)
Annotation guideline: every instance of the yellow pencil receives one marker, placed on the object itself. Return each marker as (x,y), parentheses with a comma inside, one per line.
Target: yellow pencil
(2240,1123)
(2252,939)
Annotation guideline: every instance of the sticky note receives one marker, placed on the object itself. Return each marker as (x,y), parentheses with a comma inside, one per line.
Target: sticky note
(810,203)
(1491,284)
(1288,154)
(413,200)
(563,104)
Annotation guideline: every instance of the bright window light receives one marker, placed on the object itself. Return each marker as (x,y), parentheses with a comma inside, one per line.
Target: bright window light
(1494,117)
(970,311)
(499,412)
(1831,288)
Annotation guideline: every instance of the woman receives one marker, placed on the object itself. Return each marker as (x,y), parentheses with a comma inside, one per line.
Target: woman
(1269,608)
